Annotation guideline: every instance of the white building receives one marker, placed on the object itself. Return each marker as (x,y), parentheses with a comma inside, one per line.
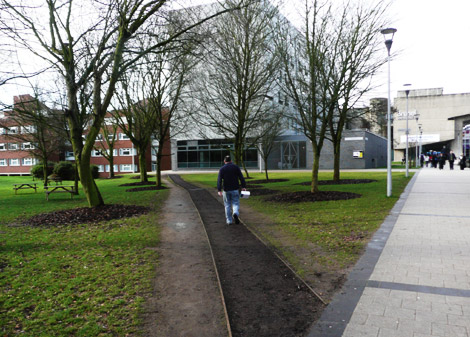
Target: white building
(435,121)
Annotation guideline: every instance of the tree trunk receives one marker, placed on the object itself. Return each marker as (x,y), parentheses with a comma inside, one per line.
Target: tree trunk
(76,178)
(111,167)
(142,166)
(44,171)
(315,167)
(247,175)
(336,169)
(90,189)
(266,170)
(158,172)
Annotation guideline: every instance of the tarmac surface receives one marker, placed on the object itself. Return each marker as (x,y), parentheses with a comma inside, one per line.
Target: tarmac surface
(414,278)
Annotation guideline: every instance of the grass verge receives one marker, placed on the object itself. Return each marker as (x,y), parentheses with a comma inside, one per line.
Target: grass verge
(333,233)
(82,280)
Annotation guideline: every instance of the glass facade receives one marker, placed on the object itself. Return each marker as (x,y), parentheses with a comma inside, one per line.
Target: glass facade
(210,153)
(287,155)
(466,141)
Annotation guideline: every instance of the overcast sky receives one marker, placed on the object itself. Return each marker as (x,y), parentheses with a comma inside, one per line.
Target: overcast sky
(433,45)
(433,40)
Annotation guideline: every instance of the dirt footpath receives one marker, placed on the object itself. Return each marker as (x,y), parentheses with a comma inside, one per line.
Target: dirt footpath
(186,299)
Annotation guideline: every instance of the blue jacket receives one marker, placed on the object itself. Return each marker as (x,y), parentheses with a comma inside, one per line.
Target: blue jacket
(230,174)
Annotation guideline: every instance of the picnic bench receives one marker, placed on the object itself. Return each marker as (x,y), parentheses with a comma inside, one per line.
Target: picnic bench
(23,186)
(59,189)
(57,180)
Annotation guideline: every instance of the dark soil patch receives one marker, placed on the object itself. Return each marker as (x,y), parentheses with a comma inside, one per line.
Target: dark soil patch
(248,186)
(262,191)
(140,183)
(306,196)
(264,181)
(138,177)
(263,296)
(86,215)
(147,188)
(340,182)
(115,177)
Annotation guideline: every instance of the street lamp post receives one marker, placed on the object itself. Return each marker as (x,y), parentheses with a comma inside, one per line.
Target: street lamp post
(388,34)
(417,139)
(407,91)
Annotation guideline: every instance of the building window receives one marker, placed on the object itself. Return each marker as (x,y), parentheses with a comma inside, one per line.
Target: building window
(123,136)
(100,168)
(3,147)
(96,153)
(28,146)
(126,152)
(28,129)
(126,168)
(116,168)
(3,162)
(13,130)
(69,154)
(14,162)
(111,137)
(28,161)
(12,146)
(2,131)
(99,137)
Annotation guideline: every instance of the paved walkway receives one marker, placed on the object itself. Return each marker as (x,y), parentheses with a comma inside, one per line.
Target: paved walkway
(414,279)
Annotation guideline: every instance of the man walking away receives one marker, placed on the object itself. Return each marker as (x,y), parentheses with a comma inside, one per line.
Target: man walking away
(230,177)
(451,159)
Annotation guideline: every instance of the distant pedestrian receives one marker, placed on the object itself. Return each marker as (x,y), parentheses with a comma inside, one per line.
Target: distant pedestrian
(230,178)
(442,161)
(451,159)
(426,159)
(462,161)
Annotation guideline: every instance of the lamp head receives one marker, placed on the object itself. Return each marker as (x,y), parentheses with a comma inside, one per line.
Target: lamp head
(407,91)
(388,34)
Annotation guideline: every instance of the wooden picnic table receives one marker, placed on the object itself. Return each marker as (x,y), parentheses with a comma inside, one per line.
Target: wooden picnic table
(59,189)
(57,180)
(23,186)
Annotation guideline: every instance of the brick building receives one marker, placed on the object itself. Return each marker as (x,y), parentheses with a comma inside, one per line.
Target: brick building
(17,157)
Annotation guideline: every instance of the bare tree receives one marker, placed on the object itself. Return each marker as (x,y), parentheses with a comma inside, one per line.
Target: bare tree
(303,57)
(351,63)
(270,129)
(326,66)
(150,95)
(238,75)
(39,129)
(94,52)
(105,145)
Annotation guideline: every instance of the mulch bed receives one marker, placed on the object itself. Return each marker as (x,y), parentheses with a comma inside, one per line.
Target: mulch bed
(147,188)
(264,181)
(263,297)
(138,177)
(140,183)
(307,196)
(340,182)
(86,215)
(262,191)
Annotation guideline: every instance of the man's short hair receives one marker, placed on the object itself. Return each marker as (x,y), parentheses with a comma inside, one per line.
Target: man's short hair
(227,159)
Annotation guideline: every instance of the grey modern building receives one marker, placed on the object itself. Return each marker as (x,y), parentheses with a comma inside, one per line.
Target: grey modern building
(435,120)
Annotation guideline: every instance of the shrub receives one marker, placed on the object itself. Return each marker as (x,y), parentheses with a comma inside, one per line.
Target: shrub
(65,170)
(95,172)
(37,171)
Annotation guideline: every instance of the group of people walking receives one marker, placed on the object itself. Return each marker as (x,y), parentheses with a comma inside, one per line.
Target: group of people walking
(438,159)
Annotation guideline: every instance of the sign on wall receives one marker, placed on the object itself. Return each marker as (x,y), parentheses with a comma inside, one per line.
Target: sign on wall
(424,138)
(358,154)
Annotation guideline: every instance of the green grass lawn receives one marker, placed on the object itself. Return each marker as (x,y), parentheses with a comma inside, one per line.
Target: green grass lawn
(335,232)
(82,280)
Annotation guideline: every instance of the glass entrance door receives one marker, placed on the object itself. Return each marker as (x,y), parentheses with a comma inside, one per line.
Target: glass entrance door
(290,155)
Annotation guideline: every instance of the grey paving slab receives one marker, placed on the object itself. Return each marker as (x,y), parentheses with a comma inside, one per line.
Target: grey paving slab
(418,284)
